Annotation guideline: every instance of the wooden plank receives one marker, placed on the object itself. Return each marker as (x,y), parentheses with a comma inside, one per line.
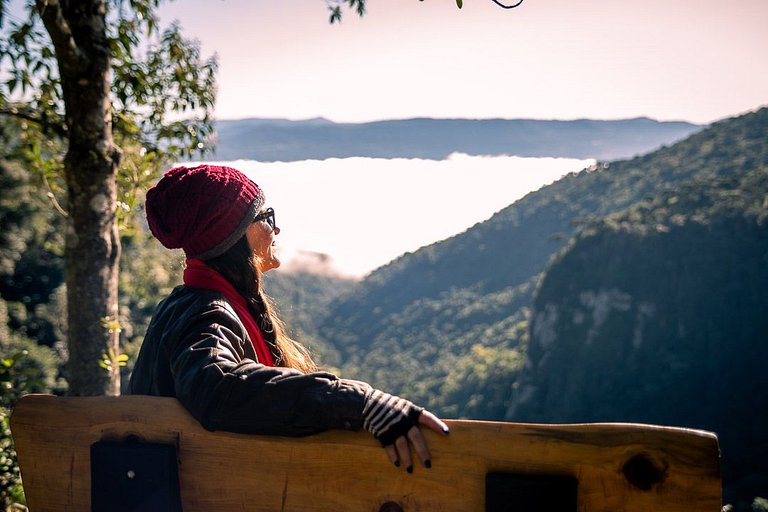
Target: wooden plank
(669,469)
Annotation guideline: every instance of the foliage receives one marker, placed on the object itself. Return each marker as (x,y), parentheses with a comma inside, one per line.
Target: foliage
(156,76)
(334,6)
(31,302)
(11,490)
(60,62)
(302,300)
(436,351)
(25,367)
(31,246)
(479,383)
(155,73)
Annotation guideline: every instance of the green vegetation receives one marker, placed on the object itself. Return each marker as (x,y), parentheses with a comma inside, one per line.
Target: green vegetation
(657,315)
(683,228)
(25,367)
(302,299)
(508,253)
(93,86)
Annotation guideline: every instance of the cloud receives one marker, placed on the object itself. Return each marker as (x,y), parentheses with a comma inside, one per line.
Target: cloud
(364,212)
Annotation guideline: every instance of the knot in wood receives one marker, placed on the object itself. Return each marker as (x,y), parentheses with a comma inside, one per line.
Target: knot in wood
(643,472)
(390,506)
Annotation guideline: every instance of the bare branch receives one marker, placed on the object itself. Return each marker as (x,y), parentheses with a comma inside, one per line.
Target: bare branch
(52,197)
(503,6)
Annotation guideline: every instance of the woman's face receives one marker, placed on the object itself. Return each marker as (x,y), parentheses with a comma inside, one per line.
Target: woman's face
(261,238)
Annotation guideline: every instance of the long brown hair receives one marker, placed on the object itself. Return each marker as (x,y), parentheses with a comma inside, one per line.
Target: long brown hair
(239,266)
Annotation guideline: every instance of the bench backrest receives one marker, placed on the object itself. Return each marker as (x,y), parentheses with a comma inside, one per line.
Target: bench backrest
(479,466)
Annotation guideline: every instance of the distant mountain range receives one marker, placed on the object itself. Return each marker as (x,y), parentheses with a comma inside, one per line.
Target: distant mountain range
(270,140)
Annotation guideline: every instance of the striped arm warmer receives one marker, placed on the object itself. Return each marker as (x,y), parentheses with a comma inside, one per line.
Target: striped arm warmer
(388,417)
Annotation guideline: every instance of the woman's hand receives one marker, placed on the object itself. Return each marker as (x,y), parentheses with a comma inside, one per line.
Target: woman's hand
(400,452)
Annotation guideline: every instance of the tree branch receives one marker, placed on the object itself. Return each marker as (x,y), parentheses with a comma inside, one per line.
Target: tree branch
(503,6)
(45,122)
(58,27)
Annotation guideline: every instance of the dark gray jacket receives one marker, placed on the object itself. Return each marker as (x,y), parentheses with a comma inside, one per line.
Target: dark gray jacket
(197,350)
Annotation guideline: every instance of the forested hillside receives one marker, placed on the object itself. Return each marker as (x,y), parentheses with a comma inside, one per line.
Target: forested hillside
(302,298)
(480,282)
(449,324)
(659,315)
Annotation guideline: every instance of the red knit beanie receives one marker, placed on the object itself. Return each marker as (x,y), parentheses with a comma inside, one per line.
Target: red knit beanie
(203,210)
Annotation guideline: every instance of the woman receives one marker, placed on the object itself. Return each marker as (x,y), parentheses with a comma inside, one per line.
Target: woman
(216,344)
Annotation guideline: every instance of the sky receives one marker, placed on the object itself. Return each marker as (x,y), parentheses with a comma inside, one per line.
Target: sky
(691,60)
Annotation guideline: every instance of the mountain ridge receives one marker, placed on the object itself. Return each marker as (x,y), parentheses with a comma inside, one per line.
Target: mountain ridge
(434,138)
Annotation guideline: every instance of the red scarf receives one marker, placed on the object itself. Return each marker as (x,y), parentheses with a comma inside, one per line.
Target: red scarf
(199,275)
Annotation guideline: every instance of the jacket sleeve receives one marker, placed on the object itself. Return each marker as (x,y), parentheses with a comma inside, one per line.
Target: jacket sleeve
(226,391)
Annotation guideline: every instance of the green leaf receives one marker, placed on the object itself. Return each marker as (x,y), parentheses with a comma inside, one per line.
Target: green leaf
(460,3)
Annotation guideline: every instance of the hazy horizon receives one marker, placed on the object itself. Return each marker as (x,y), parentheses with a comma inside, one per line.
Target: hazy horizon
(491,118)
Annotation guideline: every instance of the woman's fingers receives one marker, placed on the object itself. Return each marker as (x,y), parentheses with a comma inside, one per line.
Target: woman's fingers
(415,437)
(399,453)
(392,454)
(432,422)
(404,453)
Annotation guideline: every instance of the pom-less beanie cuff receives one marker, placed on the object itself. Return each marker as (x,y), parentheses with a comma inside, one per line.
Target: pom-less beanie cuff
(238,233)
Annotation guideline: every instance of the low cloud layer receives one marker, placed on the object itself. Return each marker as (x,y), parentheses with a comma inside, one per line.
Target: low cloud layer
(364,212)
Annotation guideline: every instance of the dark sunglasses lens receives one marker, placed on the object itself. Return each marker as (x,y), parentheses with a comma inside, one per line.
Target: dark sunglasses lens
(267,216)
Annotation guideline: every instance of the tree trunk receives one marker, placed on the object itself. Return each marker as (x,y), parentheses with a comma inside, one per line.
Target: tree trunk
(78,31)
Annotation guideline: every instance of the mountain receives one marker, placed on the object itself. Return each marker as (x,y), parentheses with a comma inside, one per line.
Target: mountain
(492,268)
(282,140)
(659,315)
(457,326)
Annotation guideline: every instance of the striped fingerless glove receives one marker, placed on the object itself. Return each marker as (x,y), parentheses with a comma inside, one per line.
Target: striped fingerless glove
(388,417)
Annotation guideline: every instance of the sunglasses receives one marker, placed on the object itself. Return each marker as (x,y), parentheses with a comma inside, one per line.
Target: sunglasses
(267,215)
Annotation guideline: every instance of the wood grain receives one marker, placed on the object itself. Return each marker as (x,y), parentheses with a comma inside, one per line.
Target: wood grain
(619,467)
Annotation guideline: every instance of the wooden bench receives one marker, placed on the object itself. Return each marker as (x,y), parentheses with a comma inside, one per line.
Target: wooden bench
(479,466)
